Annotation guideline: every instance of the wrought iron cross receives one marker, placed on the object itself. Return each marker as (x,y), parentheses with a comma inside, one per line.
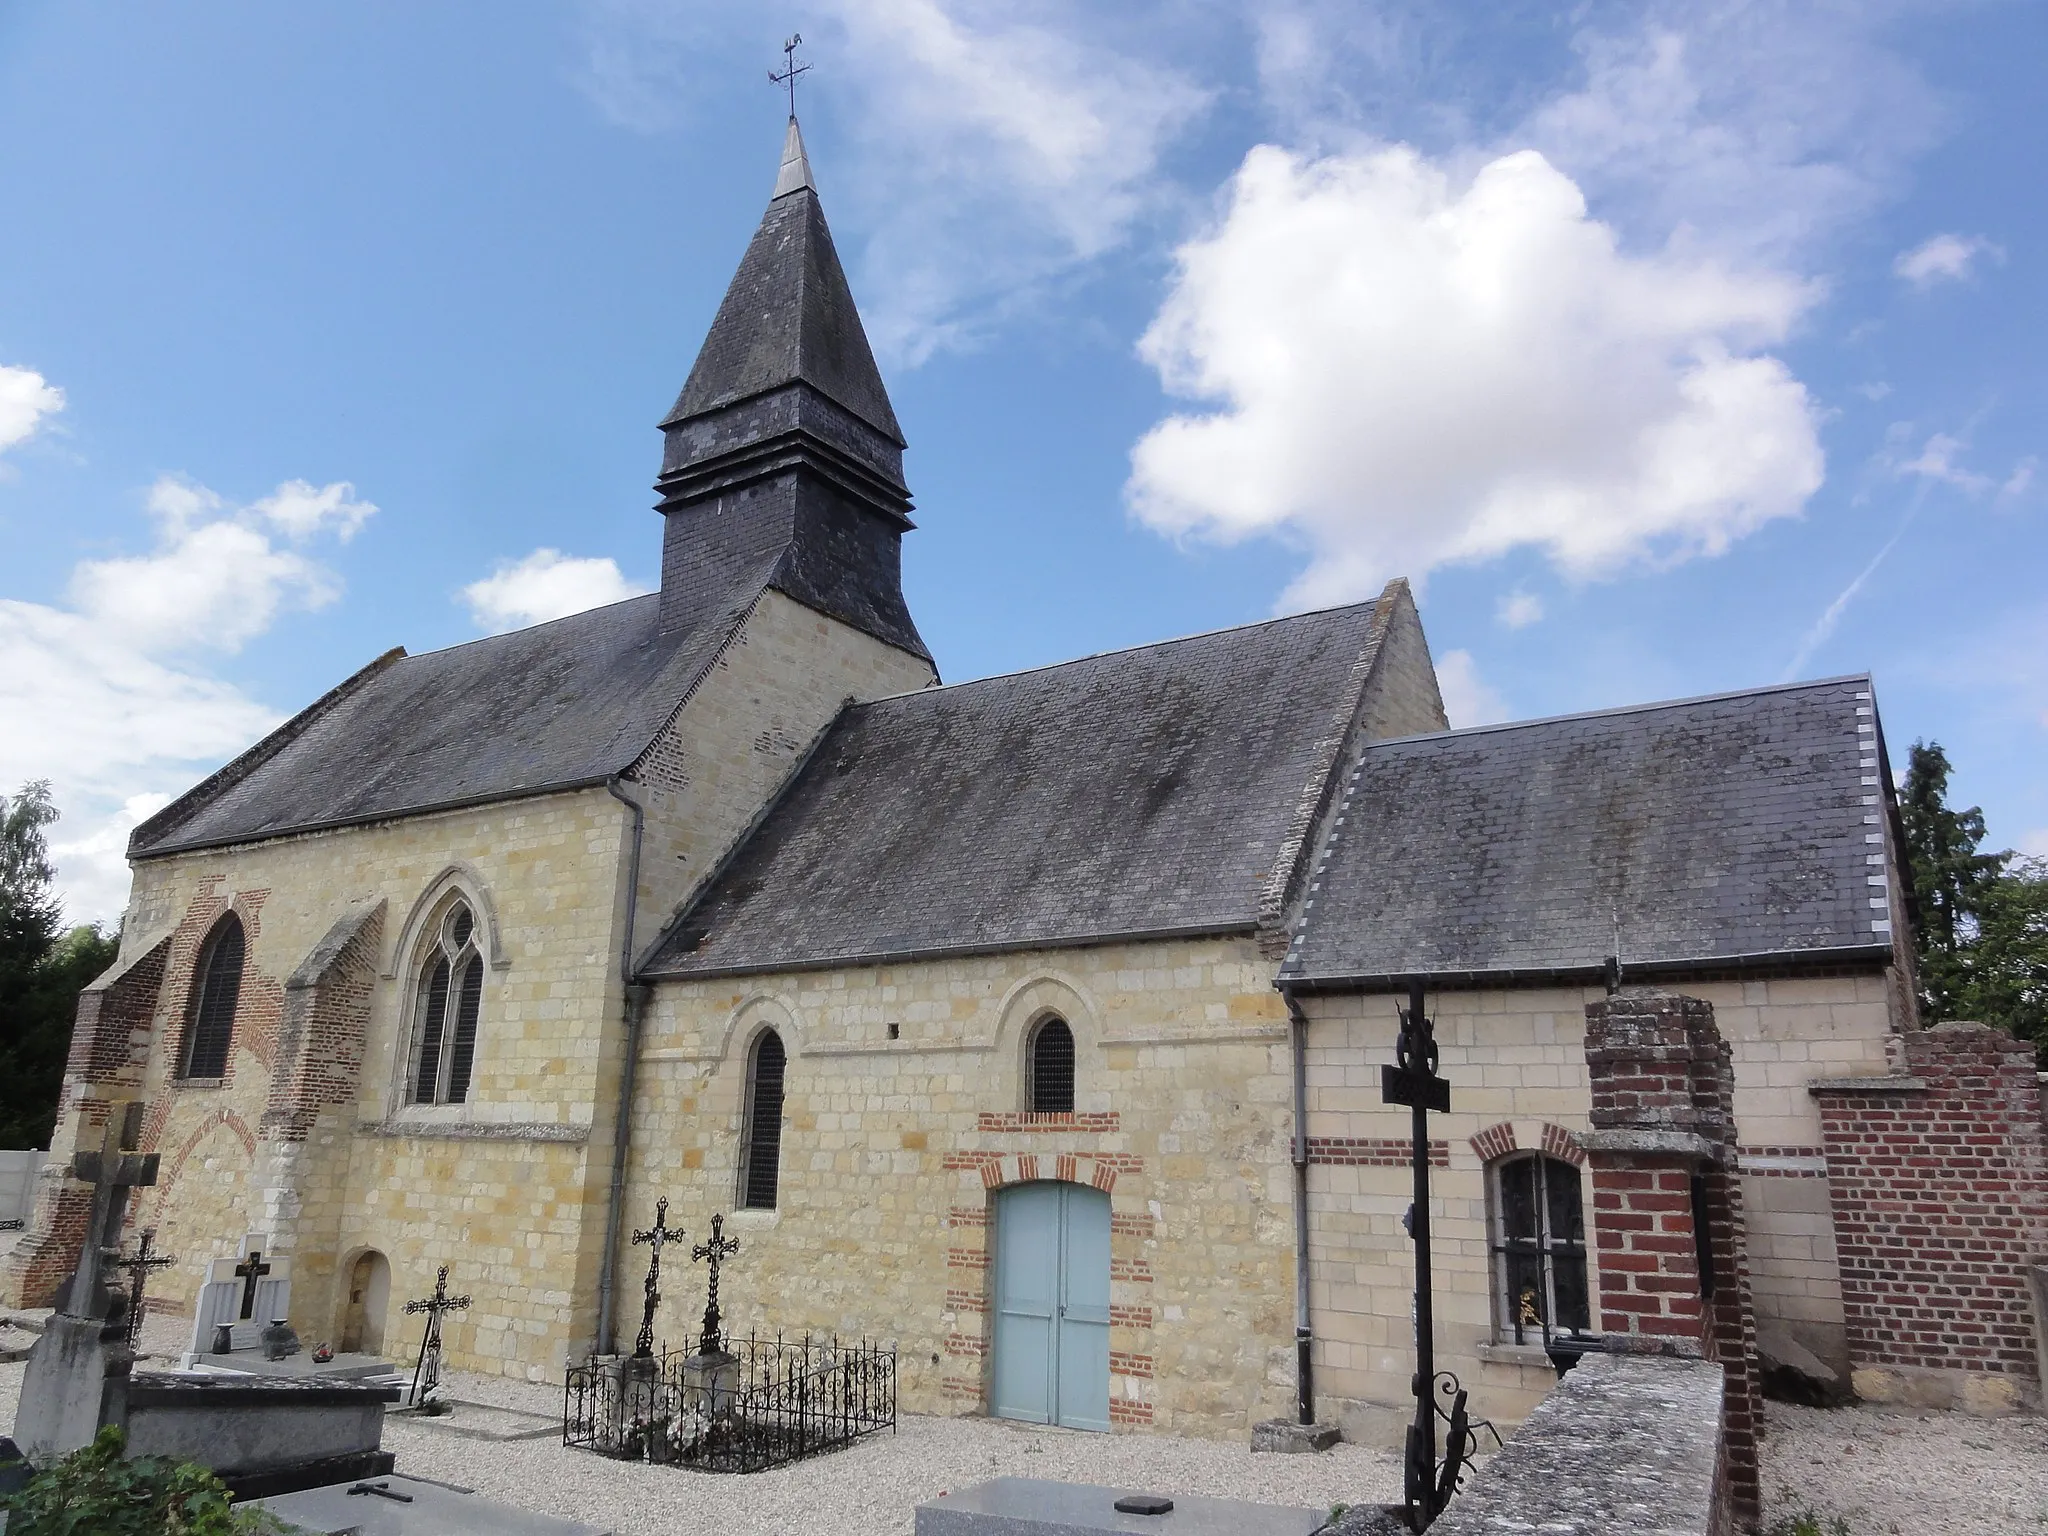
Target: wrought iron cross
(790,69)
(719,1247)
(139,1264)
(429,1367)
(656,1237)
(251,1270)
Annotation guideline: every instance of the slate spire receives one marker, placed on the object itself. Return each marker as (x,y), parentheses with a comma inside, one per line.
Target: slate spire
(783,443)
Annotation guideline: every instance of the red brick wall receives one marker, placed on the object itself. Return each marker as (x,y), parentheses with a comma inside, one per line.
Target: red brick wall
(1940,1198)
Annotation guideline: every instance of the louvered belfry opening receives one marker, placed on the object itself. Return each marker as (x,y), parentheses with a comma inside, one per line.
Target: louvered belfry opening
(762,1150)
(450,1001)
(1052,1068)
(212,1029)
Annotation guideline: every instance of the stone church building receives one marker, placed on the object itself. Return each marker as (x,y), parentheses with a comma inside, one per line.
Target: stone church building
(980,1009)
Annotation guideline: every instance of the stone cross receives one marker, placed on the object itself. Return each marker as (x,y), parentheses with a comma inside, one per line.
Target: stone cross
(112,1169)
(790,70)
(719,1247)
(139,1264)
(656,1237)
(427,1374)
(249,1271)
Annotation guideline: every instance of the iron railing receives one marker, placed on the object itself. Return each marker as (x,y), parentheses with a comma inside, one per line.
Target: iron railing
(778,1401)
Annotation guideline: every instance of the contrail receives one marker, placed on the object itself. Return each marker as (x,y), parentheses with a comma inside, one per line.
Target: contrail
(1824,626)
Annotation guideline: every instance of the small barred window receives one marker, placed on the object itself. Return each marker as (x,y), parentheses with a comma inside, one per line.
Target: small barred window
(447,1005)
(212,1027)
(1052,1068)
(1539,1249)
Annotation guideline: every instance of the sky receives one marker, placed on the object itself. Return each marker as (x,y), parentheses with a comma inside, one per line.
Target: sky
(1665,348)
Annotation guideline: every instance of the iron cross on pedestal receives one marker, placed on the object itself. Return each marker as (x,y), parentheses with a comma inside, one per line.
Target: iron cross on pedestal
(790,69)
(656,1237)
(719,1247)
(428,1370)
(139,1264)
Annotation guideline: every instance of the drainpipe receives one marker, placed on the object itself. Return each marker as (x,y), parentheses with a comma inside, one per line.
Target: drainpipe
(1304,1370)
(635,996)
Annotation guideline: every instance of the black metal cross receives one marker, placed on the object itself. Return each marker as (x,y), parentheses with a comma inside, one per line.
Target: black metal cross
(139,1264)
(1413,1081)
(251,1270)
(719,1247)
(656,1237)
(790,69)
(428,1370)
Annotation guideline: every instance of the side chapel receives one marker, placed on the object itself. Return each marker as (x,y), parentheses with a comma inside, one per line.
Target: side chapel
(978,1007)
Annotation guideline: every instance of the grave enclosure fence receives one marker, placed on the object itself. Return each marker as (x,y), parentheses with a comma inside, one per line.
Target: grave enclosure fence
(777,1402)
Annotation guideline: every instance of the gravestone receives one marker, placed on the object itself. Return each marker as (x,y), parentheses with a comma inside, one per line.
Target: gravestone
(1030,1506)
(247,1293)
(412,1506)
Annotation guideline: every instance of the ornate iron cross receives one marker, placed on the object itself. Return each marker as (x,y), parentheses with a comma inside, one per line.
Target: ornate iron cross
(656,1237)
(790,69)
(426,1375)
(719,1247)
(250,1270)
(139,1264)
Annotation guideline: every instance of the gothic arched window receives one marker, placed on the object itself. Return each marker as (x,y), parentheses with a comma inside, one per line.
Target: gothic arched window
(1050,1068)
(446,1004)
(211,1029)
(1539,1248)
(761,1143)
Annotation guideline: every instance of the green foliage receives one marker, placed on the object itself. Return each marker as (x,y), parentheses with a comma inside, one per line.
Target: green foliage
(41,972)
(97,1492)
(2003,972)
(1803,1520)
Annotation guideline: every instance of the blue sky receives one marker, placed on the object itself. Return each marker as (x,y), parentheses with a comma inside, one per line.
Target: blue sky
(1668,349)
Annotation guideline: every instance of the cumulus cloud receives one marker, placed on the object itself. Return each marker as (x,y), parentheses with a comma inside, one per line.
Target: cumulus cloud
(546,584)
(1468,698)
(1518,610)
(101,695)
(1943,259)
(26,397)
(1399,369)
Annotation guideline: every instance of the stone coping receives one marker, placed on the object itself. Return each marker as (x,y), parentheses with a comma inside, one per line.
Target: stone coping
(1654,1144)
(1872,1084)
(189,1389)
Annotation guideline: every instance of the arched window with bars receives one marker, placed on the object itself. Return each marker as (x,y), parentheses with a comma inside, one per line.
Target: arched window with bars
(210,1030)
(761,1137)
(447,1002)
(1049,1067)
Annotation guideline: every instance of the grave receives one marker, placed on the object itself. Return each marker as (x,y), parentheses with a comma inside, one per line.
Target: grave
(244,1294)
(1031,1506)
(412,1506)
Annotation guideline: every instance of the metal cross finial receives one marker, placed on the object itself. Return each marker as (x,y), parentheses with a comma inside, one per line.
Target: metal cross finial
(656,1237)
(719,1247)
(790,69)
(139,1264)
(426,1375)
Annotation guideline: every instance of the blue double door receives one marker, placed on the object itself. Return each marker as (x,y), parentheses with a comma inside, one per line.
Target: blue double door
(1052,1306)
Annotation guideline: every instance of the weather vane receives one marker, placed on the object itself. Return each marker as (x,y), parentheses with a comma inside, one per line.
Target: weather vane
(790,69)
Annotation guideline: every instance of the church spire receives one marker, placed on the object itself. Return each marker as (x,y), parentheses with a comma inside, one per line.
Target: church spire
(796,165)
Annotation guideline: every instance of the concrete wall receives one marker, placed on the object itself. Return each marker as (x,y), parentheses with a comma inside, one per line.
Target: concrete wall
(18,1171)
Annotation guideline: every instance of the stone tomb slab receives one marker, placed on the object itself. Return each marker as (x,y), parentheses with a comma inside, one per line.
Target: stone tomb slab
(426,1509)
(1030,1506)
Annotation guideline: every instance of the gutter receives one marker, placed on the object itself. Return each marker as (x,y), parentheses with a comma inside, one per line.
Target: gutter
(1769,962)
(1304,1336)
(635,998)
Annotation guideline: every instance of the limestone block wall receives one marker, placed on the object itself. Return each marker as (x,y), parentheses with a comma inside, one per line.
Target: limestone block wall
(1516,1062)
(903,1121)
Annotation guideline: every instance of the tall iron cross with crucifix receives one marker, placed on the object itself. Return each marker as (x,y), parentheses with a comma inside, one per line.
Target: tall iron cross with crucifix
(139,1264)
(656,1237)
(426,1375)
(719,1247)
(790,69)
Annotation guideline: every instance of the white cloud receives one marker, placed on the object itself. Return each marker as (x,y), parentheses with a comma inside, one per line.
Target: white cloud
(1936,461)
(546,584)
(2020,481)
(1408,371)
(95,697)
(26,397)
(1943,259)
(1518,610)
(2034,844)
(1468,698)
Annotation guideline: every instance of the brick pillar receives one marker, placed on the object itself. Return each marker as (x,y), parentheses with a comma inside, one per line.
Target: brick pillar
(1661,1155)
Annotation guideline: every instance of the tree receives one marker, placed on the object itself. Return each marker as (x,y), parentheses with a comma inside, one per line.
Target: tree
(2004,971)
(41,972)
(1949,876)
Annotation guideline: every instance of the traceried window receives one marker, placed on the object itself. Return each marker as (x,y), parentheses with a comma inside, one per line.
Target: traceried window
(761,1141)
(1539,1249)
(211,1029)
(445,1008)
(1050,1061)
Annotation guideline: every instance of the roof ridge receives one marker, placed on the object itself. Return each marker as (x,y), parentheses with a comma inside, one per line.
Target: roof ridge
(443,650)
(1626,709)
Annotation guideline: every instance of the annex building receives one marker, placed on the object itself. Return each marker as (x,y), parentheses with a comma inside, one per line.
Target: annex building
(984,1011)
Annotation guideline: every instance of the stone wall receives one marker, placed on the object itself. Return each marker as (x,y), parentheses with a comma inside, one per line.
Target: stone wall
(1939,1180)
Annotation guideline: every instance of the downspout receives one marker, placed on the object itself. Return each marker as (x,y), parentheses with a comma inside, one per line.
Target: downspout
(635,996)
(1304,1368)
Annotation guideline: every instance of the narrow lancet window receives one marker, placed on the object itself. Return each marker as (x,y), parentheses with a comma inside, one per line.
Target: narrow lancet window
(212,1027)
(450,998)
(761,1149)
(1052,1068)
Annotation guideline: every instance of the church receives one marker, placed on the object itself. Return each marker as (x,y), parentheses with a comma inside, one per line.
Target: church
(1032,1024)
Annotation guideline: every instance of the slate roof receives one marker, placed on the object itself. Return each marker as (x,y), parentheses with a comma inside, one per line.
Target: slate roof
(1143,792)
(761,341)
(1731,828)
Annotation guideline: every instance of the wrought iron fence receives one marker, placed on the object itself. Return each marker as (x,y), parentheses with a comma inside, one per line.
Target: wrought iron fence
(774,1402)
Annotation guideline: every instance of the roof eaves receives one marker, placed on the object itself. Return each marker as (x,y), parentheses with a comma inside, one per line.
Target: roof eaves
(1767,962)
